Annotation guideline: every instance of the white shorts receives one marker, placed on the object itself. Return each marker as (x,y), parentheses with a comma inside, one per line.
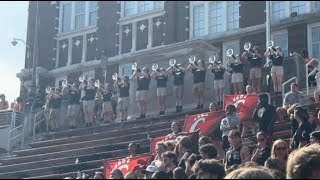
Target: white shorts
(217,84)
(178,91)
(237,78)
(255,73)
(277,70)
(73,110)
(107,107)
(141,95)
(123,103)
(161,91)
(88,106)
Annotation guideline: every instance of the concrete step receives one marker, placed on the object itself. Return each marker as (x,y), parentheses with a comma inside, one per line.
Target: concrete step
(125,125)
(78,145)
(87,162)
(105,134)
(70,153)
(91,172)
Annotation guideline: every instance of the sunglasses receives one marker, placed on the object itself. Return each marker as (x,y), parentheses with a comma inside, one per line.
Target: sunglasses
(260,140)
(281,148)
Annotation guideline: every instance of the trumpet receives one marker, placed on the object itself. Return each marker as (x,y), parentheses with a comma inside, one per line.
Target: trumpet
(172,62)
(97,83)
(154,67)
(65,83)
(247,46)
(115,76)
(230,54)
(270,46)
(192,59)
(134,66)
(82,78)
(48,89)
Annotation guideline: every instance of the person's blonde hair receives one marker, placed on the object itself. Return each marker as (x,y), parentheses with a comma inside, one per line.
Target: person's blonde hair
(275,144)
(250,173)
(302,162)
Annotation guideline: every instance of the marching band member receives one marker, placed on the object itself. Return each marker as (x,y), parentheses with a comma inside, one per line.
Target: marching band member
(107,111)
(88,101)
(276,56)
(237,73)
(160,75)
(218,70)
(199,75)
(123,86)
(143,81)
(255,59)
(54,103)
(178,73)
(74,95)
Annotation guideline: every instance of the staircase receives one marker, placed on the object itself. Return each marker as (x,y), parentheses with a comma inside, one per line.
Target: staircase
(55,156)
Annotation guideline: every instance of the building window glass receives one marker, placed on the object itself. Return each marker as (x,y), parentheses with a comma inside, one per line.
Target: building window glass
(315,42)
(66,17)
(144,6)
(80,8)
(93,13)
(233,15)
(281,40)
(129,7)
(279,9)
(298,6)
(158,4)
(198,21)
(215,17)
(141,7)
(315,6)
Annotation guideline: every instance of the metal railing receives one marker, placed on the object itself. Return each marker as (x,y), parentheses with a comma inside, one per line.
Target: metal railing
(15,123)
(18,130)
(309,74)
(285,83)
(39,121)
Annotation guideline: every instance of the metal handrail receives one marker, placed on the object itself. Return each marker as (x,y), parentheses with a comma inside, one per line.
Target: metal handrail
(285,83)
(17,117)
(308,74)
(36,123)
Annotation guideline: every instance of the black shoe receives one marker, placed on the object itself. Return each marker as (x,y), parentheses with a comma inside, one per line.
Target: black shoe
(201,106)
(160,113)
(143,116)
(177,109)
(87,124)
(163,112)
(198,106)
(180,108)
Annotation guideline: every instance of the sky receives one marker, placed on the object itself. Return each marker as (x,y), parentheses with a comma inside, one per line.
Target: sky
(13,20)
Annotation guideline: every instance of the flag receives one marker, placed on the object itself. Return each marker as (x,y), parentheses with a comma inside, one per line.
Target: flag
(206,122)
(125,165)
(245,104)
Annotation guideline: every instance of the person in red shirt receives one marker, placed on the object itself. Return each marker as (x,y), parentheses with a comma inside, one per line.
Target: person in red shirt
(3,103)
(18,106)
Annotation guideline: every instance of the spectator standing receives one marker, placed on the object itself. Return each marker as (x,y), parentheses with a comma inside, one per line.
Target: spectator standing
(265,115)
(294,96)
(18,105)
(4,105)
(232,121)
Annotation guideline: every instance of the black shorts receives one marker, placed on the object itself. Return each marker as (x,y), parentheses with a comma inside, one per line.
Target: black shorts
(225,143)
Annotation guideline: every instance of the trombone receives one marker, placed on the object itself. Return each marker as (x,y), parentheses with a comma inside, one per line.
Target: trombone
(192,59)
(65,84)
(134,66)
(115,76)
(230,54)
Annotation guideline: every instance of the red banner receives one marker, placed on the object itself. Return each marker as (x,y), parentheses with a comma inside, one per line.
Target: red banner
(245,104)
(125,165)
(206,122)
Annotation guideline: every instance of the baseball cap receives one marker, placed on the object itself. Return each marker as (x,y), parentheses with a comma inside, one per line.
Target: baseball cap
(150,168)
